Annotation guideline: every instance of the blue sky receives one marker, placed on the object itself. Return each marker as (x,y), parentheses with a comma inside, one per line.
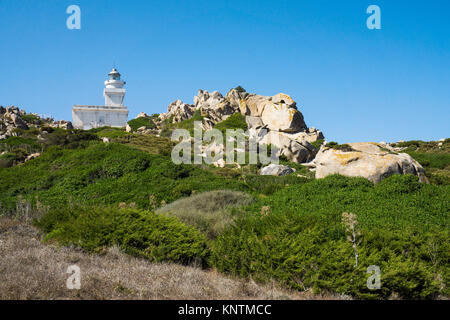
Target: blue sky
(353,83)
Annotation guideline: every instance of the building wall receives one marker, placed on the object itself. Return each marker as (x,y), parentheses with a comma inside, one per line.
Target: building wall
(93,117)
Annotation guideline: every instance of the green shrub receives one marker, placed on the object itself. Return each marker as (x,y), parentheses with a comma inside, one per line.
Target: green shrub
(31,119)
(343,147)
(111,133)
(431,160)
(139,233)
(318,143)
(189,123)
(19,141)
(74,139)
(235,121)
(7,159)
(239,89)
(210,212)
(117,165)
(268,185)
(299,239)
(141,122)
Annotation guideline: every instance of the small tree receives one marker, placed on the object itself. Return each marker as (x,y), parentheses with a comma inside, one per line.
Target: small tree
(349,220)
(239,89)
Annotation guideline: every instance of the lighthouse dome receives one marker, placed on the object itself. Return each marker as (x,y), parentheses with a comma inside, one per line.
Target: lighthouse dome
(114,74)
(114,80)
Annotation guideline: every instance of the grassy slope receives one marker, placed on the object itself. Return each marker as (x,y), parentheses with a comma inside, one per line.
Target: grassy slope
(298,238)
(33,270)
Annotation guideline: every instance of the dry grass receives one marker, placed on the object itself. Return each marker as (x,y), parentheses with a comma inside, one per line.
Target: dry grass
(30,269)
(208,211)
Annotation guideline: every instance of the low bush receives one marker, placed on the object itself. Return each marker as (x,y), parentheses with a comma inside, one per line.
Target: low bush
(31,119)
(7,160)
(188,124)
(431,160)
(141,122)
(240,89)
(318,143)
(108,132)
(19,141)
(235,121)
(139,233)
(210,212)
(267,185)
(74,139)
(342,147)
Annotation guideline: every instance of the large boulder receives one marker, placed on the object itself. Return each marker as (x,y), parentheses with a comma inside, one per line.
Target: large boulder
(214,106)
(12,110)
(278,112)
(276,170)
(368,160)
(253,104)
(298,151)
(18,122)
(254,122)
(281,117)
(64,124)
(32,156)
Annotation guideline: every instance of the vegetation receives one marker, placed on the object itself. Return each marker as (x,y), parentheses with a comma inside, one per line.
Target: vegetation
(168,126)
(342,147)
(296,236)
(235,121)
(7,159)
(128,193)
(434,156)
(211,212)
(141,122)
(31,119)
(140,233)
(318,143)
(239,89)
(109,132)
(126,277)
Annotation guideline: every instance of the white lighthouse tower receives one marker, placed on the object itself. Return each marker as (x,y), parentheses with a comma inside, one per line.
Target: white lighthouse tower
(114,91)
(112,114)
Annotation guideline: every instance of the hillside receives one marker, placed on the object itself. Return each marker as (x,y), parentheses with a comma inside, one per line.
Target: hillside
(124,191)
(127,277)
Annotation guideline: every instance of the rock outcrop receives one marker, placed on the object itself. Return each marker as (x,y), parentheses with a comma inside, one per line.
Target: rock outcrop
(276,170)
(368,160)
(63,124)
(32,156)
(178,111)
(271,119)
(12,118)
(142,115)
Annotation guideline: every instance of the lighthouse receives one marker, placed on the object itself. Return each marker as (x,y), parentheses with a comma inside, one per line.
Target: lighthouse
(112,114)
(114,91)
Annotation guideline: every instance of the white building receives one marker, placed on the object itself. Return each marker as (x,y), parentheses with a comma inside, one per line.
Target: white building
(113,113)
